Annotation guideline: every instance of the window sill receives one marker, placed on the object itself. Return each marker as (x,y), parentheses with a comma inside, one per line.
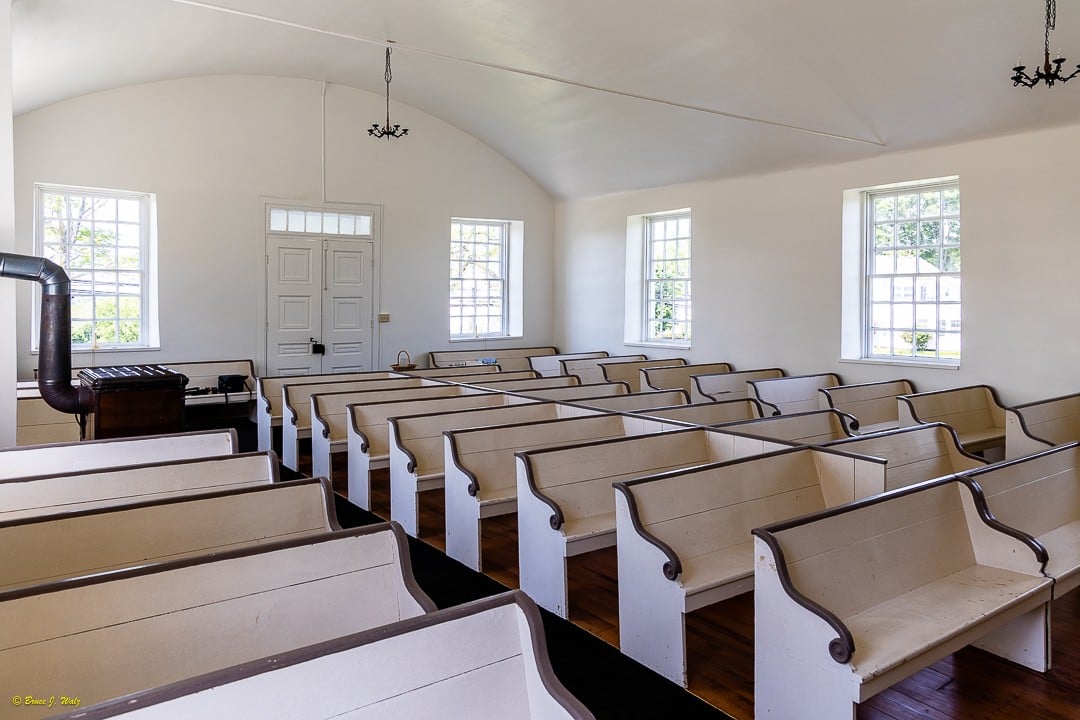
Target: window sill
(675,345)
(486,338)
(929,364)
(92,351)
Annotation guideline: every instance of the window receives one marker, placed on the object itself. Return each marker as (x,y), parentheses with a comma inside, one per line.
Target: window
(294,220)
(912,292)
(104,240)
(478,278)
(667,278)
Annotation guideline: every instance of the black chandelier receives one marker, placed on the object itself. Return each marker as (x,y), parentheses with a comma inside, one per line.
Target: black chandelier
(1050,72)
(387,131)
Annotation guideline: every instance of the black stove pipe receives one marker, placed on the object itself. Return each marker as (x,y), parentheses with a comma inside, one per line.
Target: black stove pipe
(54,358)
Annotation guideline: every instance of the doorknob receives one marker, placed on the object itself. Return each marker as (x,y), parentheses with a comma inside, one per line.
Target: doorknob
(317,348)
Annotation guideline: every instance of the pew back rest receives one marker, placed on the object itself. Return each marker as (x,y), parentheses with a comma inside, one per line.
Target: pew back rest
(248,604)
(705,509)
(588,369)
(488,453)
(914,454)
(269,389)
(710,387)
(871,403)
(1054,422)
(810,428)
(297,398)
(71,457)
(425,666)
(483,379)
(630,372)
(71,544)
(36,422)
(453,371)
(966,409)
(36,495)
(508,358)
(549,365)
(204,373)
(633,402)
(524,385)
(578,393)
(708,413)
(330,414)
(791,394)
(677,377)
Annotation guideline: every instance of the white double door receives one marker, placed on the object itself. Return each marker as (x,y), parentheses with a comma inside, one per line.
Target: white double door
(318,305)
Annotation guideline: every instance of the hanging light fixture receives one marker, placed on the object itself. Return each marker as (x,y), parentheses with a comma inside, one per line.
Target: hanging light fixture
(387,131)
(1050,72)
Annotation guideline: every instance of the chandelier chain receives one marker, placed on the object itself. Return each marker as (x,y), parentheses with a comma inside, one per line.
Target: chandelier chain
(387,131)
(1051,23)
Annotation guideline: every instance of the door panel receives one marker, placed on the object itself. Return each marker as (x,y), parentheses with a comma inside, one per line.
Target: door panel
(347,320)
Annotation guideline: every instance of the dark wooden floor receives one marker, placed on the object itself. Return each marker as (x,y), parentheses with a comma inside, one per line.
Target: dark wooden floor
(966,685)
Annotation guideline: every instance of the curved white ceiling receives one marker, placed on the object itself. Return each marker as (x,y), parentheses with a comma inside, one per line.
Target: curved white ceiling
(891,75)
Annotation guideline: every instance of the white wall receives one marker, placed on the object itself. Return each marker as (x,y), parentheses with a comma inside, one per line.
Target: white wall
(7,236)
(212,147)
(766,265)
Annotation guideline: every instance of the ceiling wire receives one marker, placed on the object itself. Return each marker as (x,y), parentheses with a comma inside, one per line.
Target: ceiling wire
(524,72)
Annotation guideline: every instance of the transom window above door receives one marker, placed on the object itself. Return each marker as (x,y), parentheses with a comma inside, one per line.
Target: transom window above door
(294,220)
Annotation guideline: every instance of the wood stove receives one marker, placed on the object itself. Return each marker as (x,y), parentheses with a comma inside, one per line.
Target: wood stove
(134,400)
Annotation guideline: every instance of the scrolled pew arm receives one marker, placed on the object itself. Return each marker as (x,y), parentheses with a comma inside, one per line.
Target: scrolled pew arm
(474,483)
(672,567)
(977,494)
(842,647)
(557,519)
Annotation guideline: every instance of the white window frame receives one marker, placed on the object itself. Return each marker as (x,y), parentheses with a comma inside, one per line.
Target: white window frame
(639,258)
(147,269)
(509,275)
(859,273)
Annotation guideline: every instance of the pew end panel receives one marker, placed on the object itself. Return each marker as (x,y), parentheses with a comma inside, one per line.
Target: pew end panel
(678,377)
(873,404)
(790,393)
(630,372)
(708,387)
(973,411)
(1037,426)
(550,365)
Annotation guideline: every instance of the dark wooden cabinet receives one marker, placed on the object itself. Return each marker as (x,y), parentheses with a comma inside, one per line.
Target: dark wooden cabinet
(135,400)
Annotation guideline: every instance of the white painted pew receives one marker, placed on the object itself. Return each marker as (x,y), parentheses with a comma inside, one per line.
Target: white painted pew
(483,659)
(37,495)
(873,404)
(36,422)
(417,448)
(974,412)
(105,637)
(707,413)
(297,407)
(629,372)
(852,600)
(526,385)
(791,394)
(550,365)
(269,398)
(912,455)
(480,475)
(71,544)
(454,371)
(588,369)
(633,402)
(684,538)
(806,428)
(509,359)
(1037,426)
(368,439)
(1040,496)
(709,387)
(566,506)
(576,392)
(331,415)
(92,454)
(677,377)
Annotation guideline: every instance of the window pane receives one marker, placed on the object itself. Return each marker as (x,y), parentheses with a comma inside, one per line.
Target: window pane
(903,316)
(278,220)
(926,344)
(931,203)
(907,206)
(880,289)
(883,262)
(929,232)
(296,221)
(128,211)
(313,222)
(885,208)
(363,225)
(347,224)
(905,234)
(926,316)
(105,210)
(883,235)
(951,201)
(952,232)
(881,315)
(330,223)
(128,235)
(902,289)
(926,288)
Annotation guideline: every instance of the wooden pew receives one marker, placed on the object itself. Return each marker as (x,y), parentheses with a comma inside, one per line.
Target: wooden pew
(550,365)
(110,486)
(509,359)
(873,404)
(707,413)
(566,506)
(170,621)
(331,413)
(428,666)
(710,387)
(91,454)
(525,385)
(296,407)
(1037,426)
(72,544)
(634,402)
(1040,496)
(684,538)
(269,399)
(480,475)
(630,372)
(588,369)
(36,422)
(455,371)
(852,600)
(677,377)
(576,392)
(417,454)
(792,393)
(912,455)
(806,428)
(368,439)
(974,412)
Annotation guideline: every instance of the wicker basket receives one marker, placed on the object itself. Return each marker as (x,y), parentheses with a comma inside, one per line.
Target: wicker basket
(407,365)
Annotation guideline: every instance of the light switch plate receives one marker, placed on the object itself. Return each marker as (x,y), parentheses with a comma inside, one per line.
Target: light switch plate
(384,317)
